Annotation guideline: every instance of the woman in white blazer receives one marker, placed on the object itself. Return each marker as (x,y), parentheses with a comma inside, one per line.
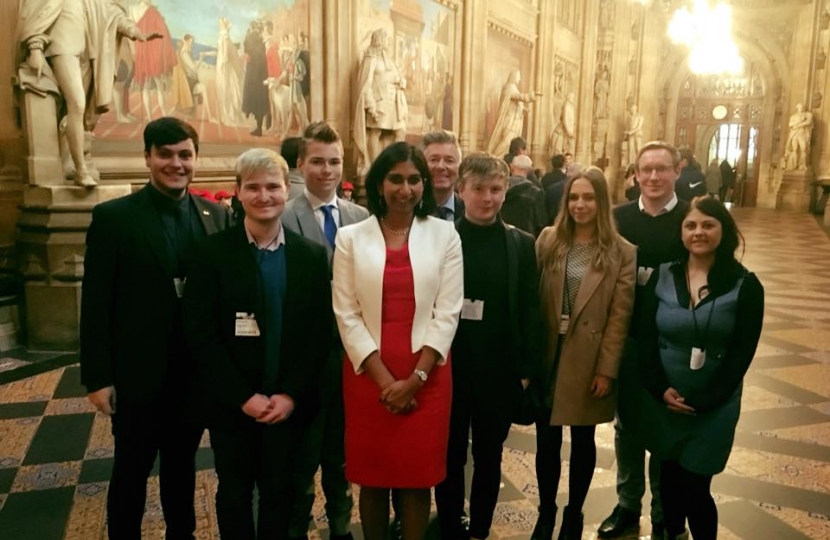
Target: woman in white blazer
(398,289)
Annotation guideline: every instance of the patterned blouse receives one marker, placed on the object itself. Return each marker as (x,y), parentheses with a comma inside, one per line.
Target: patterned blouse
(579,259)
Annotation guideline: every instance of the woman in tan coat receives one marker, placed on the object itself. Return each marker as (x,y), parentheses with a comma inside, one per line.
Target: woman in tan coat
(587,288)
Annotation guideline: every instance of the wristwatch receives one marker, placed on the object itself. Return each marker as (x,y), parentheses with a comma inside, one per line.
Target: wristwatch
(421,374)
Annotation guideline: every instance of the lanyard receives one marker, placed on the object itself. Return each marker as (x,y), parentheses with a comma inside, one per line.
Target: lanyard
(698,339)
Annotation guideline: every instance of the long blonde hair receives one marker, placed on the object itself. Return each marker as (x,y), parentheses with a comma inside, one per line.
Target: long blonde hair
(554,251)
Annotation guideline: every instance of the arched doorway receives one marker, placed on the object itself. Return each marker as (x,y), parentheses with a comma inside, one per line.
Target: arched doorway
(721,116)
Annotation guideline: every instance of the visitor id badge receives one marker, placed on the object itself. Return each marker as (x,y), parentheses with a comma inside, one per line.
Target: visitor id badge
(472,310)
(178,283)
(564,324)
(643,273)
(246,325)
(698,358)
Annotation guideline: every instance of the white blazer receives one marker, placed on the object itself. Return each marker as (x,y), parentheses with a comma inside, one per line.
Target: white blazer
(438,273)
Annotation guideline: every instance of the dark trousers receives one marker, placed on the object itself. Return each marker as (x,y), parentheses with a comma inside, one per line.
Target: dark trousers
(322,445)
(249,454)
(488,413)
(687,495)
(549,463)
(141,432)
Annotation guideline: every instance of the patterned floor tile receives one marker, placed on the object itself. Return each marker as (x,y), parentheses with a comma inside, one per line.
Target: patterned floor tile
(46,476)
(15,437)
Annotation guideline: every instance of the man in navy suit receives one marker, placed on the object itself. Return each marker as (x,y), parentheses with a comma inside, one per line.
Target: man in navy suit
(258,320)
(443,159)
(133,358)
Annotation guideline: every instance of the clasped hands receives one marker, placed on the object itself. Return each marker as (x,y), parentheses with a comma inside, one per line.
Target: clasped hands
(676,403)
(269,410)
(399,396)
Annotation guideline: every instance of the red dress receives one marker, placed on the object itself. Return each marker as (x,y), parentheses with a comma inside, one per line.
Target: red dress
(385,449)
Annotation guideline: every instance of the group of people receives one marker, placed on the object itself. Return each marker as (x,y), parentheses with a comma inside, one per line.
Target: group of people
(376,342)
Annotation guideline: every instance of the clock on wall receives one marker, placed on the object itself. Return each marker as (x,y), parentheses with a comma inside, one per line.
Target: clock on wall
(719,112)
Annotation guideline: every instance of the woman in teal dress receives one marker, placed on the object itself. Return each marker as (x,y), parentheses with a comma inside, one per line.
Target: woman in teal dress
(701,323)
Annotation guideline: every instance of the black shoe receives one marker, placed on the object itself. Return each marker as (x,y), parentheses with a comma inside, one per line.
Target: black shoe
(347,536)
(619,523)
(571,525)
(545,524)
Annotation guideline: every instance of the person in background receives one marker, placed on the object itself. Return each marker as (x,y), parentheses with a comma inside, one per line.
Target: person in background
(443,158)
(554,185)
(397,383)
(524,205)
(692,181)
(701,321)
(259,328)
(713,179)
(346,190)
(223,197)
(290,152)
(587,289)
(727,176)
(632,187)
(495,350)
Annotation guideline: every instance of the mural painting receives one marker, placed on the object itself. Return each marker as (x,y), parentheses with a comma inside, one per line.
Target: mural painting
(422,35)
(238,72)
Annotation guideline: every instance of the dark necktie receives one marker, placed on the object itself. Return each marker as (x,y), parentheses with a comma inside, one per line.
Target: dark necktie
(329,226)
(445,213)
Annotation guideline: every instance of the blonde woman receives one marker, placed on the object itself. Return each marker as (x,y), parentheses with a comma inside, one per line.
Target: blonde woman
(587,286)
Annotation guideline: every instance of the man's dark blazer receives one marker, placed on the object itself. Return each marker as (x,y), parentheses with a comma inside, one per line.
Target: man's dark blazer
(458,211)
(524,314)
(225,281)
(131,331)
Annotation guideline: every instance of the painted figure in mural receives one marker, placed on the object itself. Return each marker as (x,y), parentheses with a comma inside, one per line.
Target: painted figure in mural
(632,136)
(513,105)
(381,103)
(272,50)
(188,90)
(71,49)
(229,73)
(154,60)
(563,138)
(255,95)
(296,73)
(797,151)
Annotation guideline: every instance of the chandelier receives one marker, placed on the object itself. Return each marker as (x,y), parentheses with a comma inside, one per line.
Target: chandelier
(707,32)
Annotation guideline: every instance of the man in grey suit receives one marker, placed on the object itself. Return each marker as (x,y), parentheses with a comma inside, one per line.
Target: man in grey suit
(289,150)
(317,214)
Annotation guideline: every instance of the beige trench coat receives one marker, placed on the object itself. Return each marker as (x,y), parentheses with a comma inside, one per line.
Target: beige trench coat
(596,335)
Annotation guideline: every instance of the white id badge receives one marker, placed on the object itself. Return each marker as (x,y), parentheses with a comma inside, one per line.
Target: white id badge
(698,358)
(643,274)
(564,324)
(472,310)
(179,284)
(246,325)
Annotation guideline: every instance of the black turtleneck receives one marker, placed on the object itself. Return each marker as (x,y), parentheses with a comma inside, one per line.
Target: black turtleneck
(484,344)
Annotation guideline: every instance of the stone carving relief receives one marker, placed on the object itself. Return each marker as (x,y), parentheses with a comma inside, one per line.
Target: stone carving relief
(513,105)
(70,50)
(632,136)
(797,149)
(381,103)
(564,76)
(563,136)
(569,14)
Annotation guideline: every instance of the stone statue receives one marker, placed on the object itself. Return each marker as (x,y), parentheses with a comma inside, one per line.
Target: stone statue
(511,116)
(797,151)
(70,48)
(381,103)
(601,88)
(632,136)
(563,137)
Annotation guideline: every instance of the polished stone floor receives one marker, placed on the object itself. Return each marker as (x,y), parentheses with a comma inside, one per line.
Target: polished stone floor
(55,453)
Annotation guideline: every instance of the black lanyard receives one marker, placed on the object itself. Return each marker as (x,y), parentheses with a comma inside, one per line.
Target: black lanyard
(694,314)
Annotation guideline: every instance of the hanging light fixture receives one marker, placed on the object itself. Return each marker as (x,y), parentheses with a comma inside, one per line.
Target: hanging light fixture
(707,32)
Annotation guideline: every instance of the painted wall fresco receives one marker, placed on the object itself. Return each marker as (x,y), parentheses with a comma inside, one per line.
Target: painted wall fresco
(238,71)
(423,34)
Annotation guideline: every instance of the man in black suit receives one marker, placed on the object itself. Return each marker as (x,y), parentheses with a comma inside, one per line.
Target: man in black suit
(258,320)
(133,358)
(443,159)
(554,185)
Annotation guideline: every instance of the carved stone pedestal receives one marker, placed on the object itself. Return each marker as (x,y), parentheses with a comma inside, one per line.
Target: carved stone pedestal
(796,190)
(53,224)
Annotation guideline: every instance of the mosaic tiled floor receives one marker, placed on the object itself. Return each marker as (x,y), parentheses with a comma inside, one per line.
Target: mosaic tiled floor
(55,453)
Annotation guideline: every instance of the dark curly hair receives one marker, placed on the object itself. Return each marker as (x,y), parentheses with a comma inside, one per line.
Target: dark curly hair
(400,152)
